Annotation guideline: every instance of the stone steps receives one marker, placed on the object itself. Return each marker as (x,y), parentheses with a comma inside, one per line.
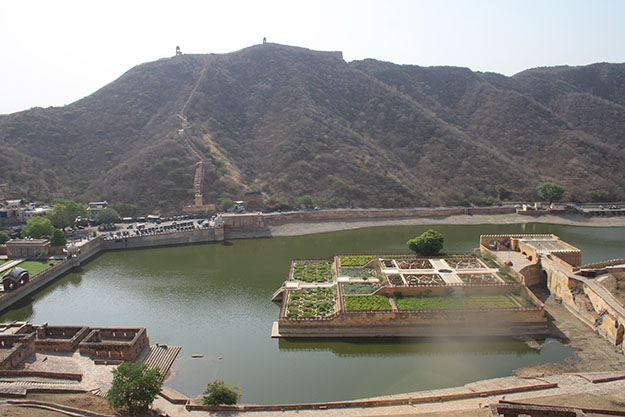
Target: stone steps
(161,357)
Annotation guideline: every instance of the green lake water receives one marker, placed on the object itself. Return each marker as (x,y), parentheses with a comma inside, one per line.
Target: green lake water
(215,300)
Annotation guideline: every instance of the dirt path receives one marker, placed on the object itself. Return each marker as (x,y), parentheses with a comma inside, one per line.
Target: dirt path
(304,228)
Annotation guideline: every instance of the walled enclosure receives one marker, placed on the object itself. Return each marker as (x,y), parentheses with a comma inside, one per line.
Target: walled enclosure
(19,340)
(119,344)
(507,320)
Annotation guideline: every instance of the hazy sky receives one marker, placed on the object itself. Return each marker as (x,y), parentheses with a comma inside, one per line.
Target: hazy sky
(56,52)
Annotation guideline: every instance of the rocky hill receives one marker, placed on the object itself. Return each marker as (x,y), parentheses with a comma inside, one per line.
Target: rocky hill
(289,121)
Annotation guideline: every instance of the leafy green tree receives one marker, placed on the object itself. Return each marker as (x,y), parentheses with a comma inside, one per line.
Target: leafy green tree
(107,215)
(550,191)
(4,237)
(305,201)
(37,227)
(65,213)
(126,209)
(602,197)
(429,243)
(226,203)
(58,238)
(134,388)
(217,392)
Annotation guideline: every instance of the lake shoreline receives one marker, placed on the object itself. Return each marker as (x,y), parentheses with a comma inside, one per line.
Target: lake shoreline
(324,226)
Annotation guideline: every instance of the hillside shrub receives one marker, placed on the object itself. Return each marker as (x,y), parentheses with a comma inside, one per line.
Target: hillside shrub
(217,393)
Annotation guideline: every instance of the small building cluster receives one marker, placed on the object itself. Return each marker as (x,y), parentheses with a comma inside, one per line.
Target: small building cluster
(16,212)
(95,207)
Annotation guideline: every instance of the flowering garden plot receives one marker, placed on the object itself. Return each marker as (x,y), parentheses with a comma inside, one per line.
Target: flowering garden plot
(357,272)
(350,288)
(388,263)
(414,264)
(354,260)
(311,302)
(424,279)
(395,280)
(479,278)
(464,263)
(366,302)
(312,271)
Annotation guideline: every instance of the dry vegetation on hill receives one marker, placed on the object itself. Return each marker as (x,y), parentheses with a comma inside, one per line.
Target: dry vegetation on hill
(289,121)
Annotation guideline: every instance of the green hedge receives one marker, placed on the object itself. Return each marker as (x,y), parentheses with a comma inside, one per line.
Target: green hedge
(366,302)
(354,260)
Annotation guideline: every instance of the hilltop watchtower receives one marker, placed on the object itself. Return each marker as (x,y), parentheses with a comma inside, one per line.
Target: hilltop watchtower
(178,51)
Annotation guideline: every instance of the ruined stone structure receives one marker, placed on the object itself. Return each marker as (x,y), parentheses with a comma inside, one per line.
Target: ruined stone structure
(19,340)
(59,338)
(546,260)
(15,348)
(121,344)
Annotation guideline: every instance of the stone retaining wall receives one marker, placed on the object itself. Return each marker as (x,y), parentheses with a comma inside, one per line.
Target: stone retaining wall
(375,403)
(320,215)
(164,239)
(9,298)
(470,322)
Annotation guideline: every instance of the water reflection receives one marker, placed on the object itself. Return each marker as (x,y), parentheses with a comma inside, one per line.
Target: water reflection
(386,347)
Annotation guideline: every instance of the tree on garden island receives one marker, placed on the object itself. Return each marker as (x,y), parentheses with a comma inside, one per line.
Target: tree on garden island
(428,244)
